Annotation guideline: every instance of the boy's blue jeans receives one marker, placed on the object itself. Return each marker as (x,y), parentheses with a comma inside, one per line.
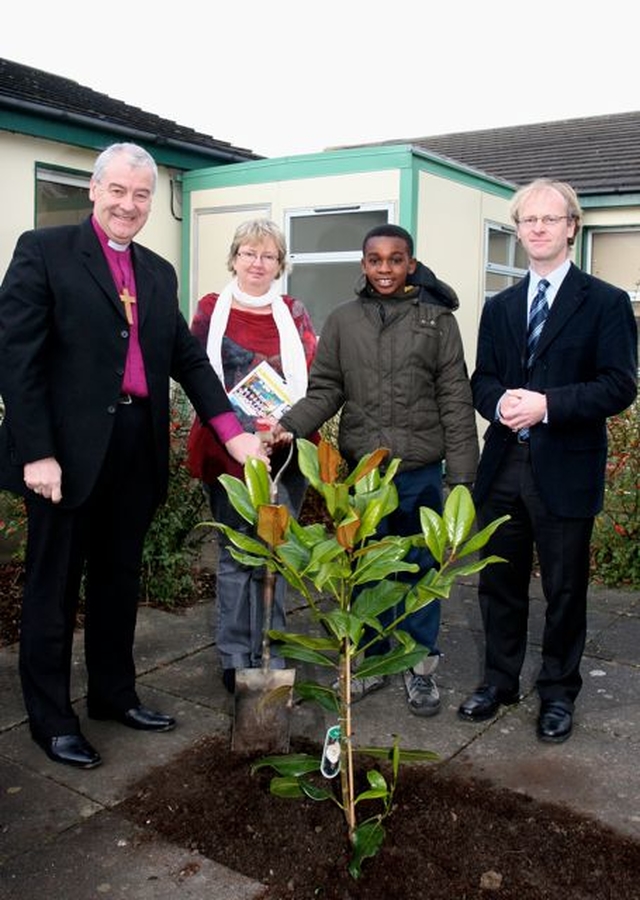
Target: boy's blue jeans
(416,488)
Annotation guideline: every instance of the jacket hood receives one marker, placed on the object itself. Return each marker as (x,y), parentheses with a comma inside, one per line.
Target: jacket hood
(430,288)
(439,291)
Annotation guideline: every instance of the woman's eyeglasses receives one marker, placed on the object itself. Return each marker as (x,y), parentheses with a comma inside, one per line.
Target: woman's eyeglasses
(250,256)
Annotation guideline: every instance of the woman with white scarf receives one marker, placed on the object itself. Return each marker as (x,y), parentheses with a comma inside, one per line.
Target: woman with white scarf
(248,323)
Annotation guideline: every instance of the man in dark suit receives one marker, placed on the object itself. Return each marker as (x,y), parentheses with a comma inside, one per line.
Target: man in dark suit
(547,390)
(90,337)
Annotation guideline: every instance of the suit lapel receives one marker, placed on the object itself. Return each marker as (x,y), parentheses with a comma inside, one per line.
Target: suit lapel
(568,300)
(94,261)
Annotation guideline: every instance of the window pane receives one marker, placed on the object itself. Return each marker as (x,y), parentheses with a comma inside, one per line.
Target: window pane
(506,263)
(521,260)
(499,243)
(496,281)
(615,257)
(339,232)
(321,286)
(61,204)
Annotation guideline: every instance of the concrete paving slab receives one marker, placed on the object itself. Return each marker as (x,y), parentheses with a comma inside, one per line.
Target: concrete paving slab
(126,754)
(619,640)
(107,856)
(34,809)
(589,774)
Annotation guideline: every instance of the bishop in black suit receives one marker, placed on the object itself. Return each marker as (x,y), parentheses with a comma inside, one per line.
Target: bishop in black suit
(90,337)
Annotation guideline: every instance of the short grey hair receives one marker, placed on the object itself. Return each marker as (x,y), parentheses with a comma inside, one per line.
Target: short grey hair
(136,156)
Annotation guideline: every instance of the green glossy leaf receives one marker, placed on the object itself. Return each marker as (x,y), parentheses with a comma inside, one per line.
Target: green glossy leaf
(305,640)
(434,532)
(344,624)
(383,561)
(373,506)
(324,696)
(366,841)
(286,788)
(308,535)
(302,654)
(308,462)
(390,471)
(364,488)
(372,794)
(422,595)
(256,477)
(245,559)
(336,498)
(294,556)
(371,517)
(375,600)
(377,780)
(244,541)
(314,792)
(395,759)
(397,660)
(239,498)
(292,764)
(481,538)
(459,514)
(324,552)
(329,576)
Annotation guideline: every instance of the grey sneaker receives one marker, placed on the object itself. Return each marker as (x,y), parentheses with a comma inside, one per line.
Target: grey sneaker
(423,697)
(360,687)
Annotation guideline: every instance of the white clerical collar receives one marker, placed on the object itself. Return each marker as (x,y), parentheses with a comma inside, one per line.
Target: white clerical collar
(119,247)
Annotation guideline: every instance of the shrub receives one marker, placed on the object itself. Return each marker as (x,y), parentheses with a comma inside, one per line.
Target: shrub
(173,541)
(615,548)
(13,526)
(348,577)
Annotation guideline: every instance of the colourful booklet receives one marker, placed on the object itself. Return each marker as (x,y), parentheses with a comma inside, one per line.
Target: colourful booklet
(262,392)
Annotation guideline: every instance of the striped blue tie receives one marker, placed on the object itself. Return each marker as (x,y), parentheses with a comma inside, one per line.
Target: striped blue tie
(537,318)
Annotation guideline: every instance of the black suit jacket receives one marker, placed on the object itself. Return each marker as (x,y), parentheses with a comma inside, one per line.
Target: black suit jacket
(586,365)
(63,345)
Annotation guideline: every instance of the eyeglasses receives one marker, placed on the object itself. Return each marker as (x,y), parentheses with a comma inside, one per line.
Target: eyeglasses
(547,221)
(250,256)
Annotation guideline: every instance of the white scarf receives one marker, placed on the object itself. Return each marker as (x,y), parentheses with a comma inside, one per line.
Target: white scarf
(294,364)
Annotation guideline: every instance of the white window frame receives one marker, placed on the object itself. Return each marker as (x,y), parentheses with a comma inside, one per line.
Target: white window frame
(509,269)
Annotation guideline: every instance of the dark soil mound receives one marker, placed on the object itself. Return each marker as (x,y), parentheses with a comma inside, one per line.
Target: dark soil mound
(447,839)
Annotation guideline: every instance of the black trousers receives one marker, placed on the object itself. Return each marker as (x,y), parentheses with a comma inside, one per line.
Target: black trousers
(101,541)
(562,546)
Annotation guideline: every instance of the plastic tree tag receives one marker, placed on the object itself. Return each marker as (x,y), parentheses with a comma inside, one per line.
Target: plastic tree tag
(330,764)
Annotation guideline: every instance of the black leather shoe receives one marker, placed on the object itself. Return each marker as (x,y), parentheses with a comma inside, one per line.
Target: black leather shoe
(70,750)
(555,722)
(485,702)
(138,717)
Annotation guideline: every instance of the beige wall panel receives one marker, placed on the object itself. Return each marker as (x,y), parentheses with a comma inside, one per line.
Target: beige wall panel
(450,240)
(612,218)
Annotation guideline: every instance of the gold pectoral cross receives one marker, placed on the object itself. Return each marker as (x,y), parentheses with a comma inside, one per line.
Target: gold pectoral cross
(128,302)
